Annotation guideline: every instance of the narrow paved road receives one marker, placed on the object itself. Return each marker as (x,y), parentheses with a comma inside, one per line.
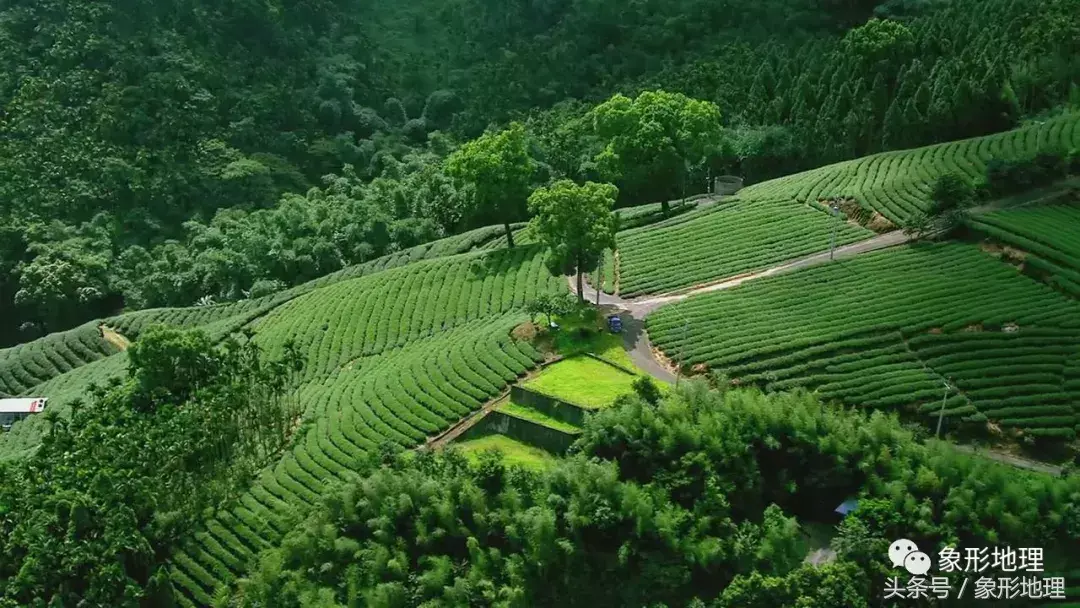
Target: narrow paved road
(637,345)
(642,307)
(636,339)
(639,308)
(633,312)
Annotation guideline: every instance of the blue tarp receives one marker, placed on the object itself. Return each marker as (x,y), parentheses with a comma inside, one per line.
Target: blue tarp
(847,506)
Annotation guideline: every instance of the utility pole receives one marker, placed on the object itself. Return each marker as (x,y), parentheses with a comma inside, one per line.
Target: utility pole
(678,369)
(599,280)
(941,412)
(836,225)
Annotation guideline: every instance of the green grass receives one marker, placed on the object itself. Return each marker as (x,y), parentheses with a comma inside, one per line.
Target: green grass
(513,451)
(584,381)
(537,417)
(570,340)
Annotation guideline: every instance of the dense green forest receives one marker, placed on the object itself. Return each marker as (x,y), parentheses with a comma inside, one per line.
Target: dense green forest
(171,153)
(298,162)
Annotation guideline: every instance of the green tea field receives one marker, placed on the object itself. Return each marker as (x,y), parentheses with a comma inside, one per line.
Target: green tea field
(393,357)
(1048,238)
(781,219)
(401,348)
(897,184)
(541,304)
(887,329)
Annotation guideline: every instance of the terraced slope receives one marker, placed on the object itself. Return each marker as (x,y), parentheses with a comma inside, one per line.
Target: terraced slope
(884,330)
(394,357)
(62,366)
(897,184)
(223,319)
(1048,236)
(366,316)
(777,220)
(722,241)
(27,365)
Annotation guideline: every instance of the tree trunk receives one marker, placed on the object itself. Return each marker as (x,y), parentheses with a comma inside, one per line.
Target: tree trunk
(509,235)
(599,280)
(580,283)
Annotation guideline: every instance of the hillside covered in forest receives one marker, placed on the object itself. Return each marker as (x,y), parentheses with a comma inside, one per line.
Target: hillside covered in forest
(386,304)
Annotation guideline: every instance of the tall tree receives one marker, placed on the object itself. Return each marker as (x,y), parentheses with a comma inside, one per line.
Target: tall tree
(576,223)
(656,139)
(499,167)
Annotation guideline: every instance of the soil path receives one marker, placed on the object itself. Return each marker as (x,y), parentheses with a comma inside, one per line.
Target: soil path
(458,428)
(114,337)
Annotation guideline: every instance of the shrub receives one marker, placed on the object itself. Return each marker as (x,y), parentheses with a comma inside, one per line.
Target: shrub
(265,287)
(1005,177)
(951,192)
(647,390)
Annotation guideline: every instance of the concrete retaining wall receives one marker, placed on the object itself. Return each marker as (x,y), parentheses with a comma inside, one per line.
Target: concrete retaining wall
(525,431)
(557,409)
(727,184)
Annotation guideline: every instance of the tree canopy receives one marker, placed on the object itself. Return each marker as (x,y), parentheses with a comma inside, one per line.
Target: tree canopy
(656,139)
(499,168)
(693,501)
(576,224)
(94,515)
(127,129)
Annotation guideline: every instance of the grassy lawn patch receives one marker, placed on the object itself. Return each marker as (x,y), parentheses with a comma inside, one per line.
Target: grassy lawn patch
(581,331)
(585,331)
(513,451)
(584,381)
(532,415)
(610,346)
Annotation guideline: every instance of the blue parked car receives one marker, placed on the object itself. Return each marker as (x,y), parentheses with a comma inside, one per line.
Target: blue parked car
(614,323)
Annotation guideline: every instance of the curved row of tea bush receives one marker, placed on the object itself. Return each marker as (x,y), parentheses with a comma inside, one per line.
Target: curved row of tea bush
(394,357)
(62,391)
(400,397)
(363,317)
(1048,235)
(229,317)
(774,221)
(722,241)
(897,184)
(52,366)
(27,365)
(885,330)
